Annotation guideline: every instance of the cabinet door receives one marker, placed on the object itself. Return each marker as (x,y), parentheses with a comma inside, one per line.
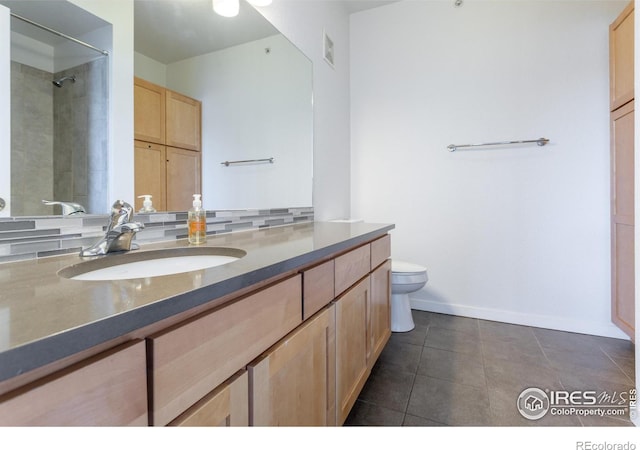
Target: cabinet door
(190,360)
(622,219)
(149,173)
(183,178)
(226,406)
(183,121)
(621,58)
(109,389)
(379,311)
(149,111)
(351,346)
(293,383)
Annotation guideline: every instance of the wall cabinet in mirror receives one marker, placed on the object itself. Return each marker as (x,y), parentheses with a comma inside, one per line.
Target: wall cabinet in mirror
(167,147)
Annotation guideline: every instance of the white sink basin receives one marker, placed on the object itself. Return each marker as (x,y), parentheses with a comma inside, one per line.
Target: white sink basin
(153,263)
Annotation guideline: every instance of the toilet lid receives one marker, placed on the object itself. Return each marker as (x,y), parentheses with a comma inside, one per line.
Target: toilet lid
(406,267)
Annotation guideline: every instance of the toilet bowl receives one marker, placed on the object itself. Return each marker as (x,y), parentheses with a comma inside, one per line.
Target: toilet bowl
(405,278)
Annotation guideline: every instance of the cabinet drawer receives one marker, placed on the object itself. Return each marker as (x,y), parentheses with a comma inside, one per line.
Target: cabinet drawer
(318,288)
(350,267)
(190,360)
(226,406)
(380,251)
(109,389)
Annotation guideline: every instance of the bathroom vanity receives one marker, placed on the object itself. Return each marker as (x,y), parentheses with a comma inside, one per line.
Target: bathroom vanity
(285,335)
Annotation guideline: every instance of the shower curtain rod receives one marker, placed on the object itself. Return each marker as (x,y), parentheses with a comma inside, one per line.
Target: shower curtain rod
(50,30)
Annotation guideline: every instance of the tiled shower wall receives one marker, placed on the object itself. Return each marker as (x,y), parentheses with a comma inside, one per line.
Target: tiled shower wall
(58,134)
(24,238)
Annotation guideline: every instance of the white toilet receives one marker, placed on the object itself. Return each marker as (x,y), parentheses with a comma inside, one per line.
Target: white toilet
(405,278)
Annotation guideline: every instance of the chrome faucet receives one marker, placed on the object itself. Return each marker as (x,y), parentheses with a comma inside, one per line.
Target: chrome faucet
(120,232)
(68,208)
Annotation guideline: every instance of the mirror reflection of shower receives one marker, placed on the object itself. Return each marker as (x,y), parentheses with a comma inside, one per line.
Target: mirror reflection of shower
(60,81)
(59,107)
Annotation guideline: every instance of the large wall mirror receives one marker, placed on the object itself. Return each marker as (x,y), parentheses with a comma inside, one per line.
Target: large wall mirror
(254,85)
(59,108)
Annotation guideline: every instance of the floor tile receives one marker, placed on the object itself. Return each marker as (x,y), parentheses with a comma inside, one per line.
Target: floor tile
(452,371)
(421,317)
(596,364)
(415,421)
(563,340)
(415,336)
(364,413)
(452,340)
(449,403)
(505,332)
(401,356)
(460,368)
(464,324)
(388,387)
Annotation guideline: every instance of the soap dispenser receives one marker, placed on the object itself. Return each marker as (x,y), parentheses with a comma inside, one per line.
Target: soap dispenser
(197,222)
(147,205)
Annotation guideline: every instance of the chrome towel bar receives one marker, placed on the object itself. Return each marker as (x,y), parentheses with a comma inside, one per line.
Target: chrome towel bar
(228,163)
(540,142)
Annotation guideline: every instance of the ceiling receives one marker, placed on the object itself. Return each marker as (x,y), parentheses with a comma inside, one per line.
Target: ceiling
(353,6)
(166,31)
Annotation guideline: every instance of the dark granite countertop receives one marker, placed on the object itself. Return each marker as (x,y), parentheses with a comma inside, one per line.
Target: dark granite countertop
(45,317)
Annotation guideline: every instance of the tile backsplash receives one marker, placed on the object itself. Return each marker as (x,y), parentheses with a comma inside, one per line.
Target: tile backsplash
(37,237)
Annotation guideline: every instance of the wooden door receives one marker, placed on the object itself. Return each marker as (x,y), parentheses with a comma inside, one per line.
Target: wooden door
(351,346)
(621,58)
(622,219)
(293,383)
(149,111)
(183,178)
(149,174)
(183,121)
(226,406)
(379,311)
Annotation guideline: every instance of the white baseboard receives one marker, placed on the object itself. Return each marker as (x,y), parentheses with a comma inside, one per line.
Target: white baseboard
(532,320)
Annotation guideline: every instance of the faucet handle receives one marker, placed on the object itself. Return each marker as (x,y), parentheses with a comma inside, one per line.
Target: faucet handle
(121,213)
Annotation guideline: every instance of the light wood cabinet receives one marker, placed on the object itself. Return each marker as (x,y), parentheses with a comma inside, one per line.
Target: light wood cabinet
(109,389)
(149,111)
(150,176)
(226,406)
(191,359)
(293,383)
(352,368)
(379,330)
(250,360)
(167,149)
(183,121)
(622,219)
(183,178)
(621,60)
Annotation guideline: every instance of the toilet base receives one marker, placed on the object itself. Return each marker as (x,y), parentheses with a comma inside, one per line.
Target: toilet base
(401,318)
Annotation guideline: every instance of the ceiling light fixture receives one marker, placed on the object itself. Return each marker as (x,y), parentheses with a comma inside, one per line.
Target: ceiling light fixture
(226,8)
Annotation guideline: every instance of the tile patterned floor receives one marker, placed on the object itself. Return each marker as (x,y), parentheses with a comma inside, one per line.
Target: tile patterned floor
(461,371)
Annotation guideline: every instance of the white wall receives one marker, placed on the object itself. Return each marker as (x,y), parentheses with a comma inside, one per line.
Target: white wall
(150,69)
(303,23)
(255,105)
(518,234)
